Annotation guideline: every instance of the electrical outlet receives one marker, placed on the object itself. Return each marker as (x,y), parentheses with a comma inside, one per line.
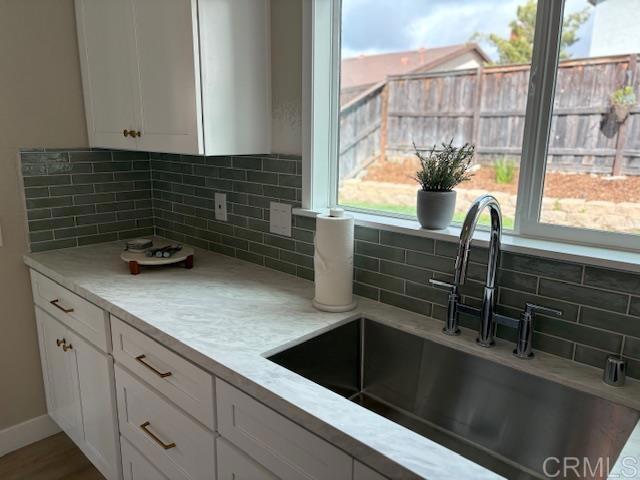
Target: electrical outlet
(280,218)
(221,206)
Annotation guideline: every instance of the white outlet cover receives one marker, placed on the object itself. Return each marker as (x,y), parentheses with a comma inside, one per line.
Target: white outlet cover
(221,206)
(280,218)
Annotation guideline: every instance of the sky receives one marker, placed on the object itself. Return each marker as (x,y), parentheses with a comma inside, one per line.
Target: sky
(378,26)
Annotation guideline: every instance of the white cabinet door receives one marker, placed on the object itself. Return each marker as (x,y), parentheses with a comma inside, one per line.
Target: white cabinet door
(235,465)
(169,75)
(106,41)
(97,398)
(60,375)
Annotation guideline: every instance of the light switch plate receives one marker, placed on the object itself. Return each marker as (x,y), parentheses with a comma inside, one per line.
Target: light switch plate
(280,218)
(221,206)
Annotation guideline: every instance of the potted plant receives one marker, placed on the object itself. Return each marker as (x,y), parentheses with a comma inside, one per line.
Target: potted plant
(622,100)
(441,170)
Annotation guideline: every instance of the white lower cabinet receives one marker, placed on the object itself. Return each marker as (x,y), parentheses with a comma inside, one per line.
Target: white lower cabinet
(154,415)
(234,464)
(80,395)
(169,438)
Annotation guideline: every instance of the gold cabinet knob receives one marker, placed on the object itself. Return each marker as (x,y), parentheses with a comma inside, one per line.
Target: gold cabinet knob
(60,343)
(66,347)
(131,133)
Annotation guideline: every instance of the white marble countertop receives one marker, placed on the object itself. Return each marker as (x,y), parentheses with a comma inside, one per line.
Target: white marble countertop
(226,315)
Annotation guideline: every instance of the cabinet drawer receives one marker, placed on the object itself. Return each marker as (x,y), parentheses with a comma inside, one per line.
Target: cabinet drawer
(284,448)
(136,467)
(75,312)
(182,382)
(235,465)
(163,434)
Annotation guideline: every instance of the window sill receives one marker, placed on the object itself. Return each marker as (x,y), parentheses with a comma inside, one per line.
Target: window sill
(568,252)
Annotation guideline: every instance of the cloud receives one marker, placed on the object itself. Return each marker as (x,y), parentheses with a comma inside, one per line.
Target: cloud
(374,26)
(377,26)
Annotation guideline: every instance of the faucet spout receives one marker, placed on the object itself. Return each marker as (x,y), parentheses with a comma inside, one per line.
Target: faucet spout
(487,321)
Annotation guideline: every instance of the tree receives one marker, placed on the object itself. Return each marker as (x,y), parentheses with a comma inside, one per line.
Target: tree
(518,47)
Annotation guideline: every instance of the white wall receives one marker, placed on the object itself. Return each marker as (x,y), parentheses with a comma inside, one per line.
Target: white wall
(40,105)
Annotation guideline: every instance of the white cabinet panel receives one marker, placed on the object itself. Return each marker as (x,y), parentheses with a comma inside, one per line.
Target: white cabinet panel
(235,465)
(165,435)
(60,375)
(236,75)
(97,396)
(108,60)
(286,449)
(169,79)
(362,472)
(182,382)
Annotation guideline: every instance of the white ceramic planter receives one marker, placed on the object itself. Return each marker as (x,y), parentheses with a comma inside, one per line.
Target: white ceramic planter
(435,209)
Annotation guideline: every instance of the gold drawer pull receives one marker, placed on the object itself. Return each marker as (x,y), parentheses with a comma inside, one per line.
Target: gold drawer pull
(55,304)
(140,359)
(60,342)
(166,446)
(66,347)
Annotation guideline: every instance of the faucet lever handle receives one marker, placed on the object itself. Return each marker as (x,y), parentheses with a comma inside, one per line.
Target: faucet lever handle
(524,343)
(441,284)
(531,308)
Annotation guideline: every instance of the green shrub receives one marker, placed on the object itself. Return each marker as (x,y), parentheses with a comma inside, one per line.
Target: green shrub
(505,170)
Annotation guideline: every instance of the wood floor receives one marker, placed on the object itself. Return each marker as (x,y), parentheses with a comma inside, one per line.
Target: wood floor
(54,458)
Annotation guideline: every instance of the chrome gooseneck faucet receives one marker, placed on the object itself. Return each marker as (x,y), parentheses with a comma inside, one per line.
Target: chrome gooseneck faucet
(487,323)
(488,317)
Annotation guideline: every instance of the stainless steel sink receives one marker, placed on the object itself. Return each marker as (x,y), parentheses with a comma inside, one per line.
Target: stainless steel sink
(506,420)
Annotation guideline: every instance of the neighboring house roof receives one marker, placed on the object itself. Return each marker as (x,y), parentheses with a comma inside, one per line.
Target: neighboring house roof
(371,69)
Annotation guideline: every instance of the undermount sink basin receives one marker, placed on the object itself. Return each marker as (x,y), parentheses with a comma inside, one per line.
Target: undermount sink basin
(503,419)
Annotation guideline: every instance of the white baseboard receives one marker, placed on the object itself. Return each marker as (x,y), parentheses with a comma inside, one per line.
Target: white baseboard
(26,433)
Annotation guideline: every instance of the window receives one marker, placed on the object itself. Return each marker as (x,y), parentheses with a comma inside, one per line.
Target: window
(560,151)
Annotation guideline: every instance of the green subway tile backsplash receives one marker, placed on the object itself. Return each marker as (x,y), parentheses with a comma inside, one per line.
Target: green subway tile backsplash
(81,197)
(80,191)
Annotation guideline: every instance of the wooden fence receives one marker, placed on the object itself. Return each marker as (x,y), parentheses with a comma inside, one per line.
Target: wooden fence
(486,107)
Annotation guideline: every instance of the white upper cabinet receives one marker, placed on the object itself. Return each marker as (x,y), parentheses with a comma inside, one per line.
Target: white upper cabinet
(177,76)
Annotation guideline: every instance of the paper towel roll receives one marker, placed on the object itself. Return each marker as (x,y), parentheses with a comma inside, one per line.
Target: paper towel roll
(333,262)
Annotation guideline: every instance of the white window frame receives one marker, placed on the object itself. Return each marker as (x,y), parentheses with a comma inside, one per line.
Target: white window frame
(321,84)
